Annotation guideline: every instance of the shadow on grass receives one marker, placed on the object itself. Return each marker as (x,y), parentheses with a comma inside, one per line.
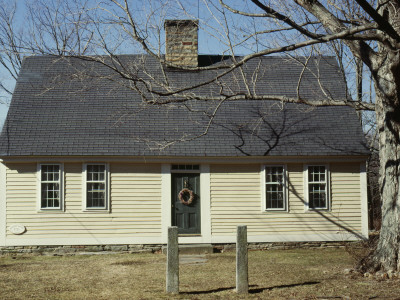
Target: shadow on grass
(252,290)
(260,290)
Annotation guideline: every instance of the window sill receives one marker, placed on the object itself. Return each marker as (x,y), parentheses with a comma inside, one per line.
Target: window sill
(52,211)
(189,234)
(313,210)
(275,211)
(96,210)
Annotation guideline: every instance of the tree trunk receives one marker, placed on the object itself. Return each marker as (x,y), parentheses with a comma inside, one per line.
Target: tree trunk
(387,254)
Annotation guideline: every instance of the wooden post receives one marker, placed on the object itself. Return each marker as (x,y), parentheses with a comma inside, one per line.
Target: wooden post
(242,280)
(172,284)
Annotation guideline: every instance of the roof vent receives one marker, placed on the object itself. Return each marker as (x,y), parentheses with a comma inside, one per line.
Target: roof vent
(181,42)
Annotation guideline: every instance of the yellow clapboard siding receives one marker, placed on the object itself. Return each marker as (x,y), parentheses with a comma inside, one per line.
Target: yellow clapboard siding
(63,217)
(18,181)
(19,192)
(94,221)
(251,218)
(134,198)
(223,205)
(135,191)
(84,214)
(103,228)
(138,180)
(84,234)
(71,232)
(237,193)
(96,226)
(135,205)
(231,205)
(289,222)
(286,230)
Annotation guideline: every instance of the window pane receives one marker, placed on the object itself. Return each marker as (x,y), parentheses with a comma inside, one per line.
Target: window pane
(95,195)
(50,197)
(317,196)
(95,172)
(44,173)
(274,187)
(185,167)
(316,173)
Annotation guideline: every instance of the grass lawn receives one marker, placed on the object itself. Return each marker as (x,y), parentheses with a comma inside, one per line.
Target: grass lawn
(302,273)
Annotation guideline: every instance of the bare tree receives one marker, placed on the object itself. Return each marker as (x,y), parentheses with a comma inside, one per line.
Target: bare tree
(362,33)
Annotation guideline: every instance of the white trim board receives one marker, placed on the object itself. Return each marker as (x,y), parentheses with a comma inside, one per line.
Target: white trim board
(205,204)
(3,204)
(165,201)
(364,200)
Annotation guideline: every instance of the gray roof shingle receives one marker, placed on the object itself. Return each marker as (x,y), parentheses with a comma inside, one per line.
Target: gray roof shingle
(67,106)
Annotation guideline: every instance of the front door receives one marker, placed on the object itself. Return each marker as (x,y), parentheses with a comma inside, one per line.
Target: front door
(184,215)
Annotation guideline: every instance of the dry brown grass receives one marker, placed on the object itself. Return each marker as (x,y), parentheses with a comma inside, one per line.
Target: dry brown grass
(279,274)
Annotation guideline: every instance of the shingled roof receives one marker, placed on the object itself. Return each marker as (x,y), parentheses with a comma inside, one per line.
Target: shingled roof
(73,107)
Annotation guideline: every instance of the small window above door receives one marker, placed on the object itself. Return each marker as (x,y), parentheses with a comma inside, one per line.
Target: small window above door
(190,168)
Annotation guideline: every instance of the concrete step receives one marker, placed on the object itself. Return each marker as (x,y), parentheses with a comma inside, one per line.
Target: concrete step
(192,249)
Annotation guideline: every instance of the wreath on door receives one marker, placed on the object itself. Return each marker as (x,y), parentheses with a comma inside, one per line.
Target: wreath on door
(182,194)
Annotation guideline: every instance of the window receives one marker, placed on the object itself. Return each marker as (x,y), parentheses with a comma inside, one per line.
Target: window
(275,188)
(50,186)
(317,184)
(96,186)
(185,167)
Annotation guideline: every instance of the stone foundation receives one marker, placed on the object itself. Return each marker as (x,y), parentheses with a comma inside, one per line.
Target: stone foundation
(283,246)
(103,249)
(70,250)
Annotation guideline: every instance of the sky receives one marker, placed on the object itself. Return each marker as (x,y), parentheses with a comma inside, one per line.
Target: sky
(3,114)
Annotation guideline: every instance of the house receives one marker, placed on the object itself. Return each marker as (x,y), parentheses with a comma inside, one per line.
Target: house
(85,162)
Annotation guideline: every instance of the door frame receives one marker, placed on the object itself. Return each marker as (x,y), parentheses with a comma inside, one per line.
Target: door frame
(166,203)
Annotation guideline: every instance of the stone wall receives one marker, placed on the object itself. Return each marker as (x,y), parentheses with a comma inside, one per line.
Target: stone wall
(65,250)
(283,246)
(218,248)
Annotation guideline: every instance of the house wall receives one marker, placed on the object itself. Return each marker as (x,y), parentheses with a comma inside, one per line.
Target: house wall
(236,193)
(136,206)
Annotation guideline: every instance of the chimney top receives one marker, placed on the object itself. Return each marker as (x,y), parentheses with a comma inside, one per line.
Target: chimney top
(181,44)
(181,23)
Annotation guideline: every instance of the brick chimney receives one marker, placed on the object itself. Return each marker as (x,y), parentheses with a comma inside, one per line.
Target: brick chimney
(181,42)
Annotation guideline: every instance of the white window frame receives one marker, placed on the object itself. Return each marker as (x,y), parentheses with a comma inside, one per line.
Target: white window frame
(327,188)
(285,189)
(60,182)
(106,185)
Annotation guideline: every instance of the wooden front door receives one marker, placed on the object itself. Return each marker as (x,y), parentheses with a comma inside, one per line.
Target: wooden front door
(186,217)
